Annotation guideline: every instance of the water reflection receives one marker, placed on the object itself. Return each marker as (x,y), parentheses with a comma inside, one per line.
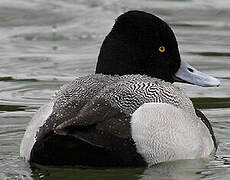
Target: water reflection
(60,173)
(209,102)
(179,170)
(176,170)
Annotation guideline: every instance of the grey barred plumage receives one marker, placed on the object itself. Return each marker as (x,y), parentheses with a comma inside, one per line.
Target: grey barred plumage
(122,93)
(80,88)
(126,92)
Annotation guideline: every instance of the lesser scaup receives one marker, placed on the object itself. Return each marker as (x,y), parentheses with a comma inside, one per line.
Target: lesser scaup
(128,113)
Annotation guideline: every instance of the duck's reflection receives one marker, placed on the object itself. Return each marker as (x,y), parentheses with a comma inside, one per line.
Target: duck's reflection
(176,170)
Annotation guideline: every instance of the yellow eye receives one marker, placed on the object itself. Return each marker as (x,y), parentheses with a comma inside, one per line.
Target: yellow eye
(161,49)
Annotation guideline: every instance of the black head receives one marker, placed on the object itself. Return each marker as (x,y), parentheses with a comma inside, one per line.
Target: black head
(140,43)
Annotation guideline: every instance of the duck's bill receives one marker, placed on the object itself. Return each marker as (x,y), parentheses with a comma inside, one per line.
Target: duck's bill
(188,74)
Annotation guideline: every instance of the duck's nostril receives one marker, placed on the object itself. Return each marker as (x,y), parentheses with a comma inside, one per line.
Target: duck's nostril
(191,70)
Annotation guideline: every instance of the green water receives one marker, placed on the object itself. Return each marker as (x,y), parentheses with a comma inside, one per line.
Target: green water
(45,44)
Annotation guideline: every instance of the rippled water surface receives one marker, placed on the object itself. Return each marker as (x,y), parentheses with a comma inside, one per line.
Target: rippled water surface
(45,44)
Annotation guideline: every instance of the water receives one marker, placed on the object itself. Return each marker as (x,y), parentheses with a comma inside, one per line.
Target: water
(45,44)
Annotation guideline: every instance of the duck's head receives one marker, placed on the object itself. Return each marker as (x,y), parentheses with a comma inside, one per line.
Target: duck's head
(141,43)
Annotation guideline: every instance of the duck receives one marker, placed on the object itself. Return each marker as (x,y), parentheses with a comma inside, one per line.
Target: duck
(127,114)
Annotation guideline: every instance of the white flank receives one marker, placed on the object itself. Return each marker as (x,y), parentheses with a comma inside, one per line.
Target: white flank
(30,135)
(163,132)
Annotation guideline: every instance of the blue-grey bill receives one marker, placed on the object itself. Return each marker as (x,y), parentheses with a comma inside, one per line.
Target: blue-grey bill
(188,74)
